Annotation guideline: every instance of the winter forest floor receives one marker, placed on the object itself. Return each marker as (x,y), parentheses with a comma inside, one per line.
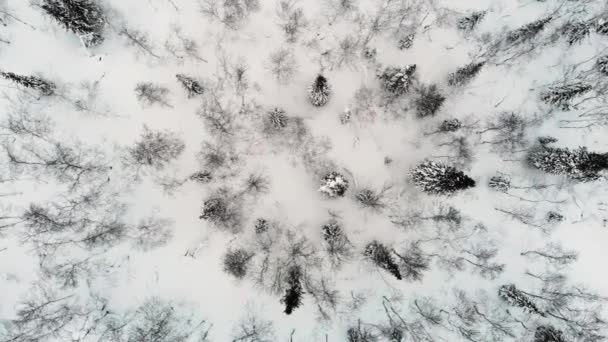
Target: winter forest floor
(314,170)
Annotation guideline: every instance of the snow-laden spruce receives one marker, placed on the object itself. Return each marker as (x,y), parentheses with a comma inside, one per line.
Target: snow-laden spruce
(192,86)
(83,17)
(334,184)
(396,81)
(465,74)
(561,96)
(510,294)
(381,255)
(578,164)
(547,333)
(319,91)
(602,65)
(440,179)
(44,87)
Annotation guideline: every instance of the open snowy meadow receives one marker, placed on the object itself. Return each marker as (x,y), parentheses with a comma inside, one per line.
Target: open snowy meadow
(303,170)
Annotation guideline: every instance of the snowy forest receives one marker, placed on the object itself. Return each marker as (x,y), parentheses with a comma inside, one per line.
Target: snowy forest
(303,170)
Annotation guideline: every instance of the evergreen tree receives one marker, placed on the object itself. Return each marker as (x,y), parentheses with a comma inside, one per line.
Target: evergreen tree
(601,26)
(527,32)
(202,177)
(336,243)
(261,225)
(450,125)
(396,81)
(83,17)
(440,179)
(465,74)
(429,101)
(406,42)
(576,31)
(236,262)
(547,333)
(293,295)
(319,91)
(469,22)
(602,65)
(578,164)
(500,183)
(214,209)
(510,294)
(45,87)
(561,96)
(334,184)
(382,257)
(191,85)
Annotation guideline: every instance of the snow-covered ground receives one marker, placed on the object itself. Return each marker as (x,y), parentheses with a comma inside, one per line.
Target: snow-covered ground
(89,233)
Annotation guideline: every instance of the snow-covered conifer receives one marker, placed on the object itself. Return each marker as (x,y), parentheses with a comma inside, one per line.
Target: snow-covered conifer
(440,179)
(601,26)
(203,177)
(46,88)
(334,184)
(578,164)
(500,183)
(450,125)
(602,65)
(547,333)
(470,21)
(236,262)
(261,225)
(382,257)
(83,17)
(406,41)
(192,86)
(396,81)
(561,96)
(429,101)
(293,294)
(319,91)
(527,32)
(465,74)
(510,294)
(576,31)
(554,217)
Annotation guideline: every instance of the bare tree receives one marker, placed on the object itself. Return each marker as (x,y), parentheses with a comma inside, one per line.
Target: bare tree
(154,150)
(149,94)
(139,40)
(252,328)
(283,64)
